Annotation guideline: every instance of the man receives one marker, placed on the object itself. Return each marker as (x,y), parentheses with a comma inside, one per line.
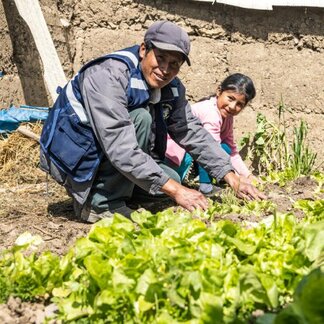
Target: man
(107,130)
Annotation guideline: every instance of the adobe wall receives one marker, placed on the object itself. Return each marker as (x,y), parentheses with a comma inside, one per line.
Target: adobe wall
(281,50)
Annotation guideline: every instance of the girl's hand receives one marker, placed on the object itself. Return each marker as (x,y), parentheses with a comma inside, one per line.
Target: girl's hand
(243,187)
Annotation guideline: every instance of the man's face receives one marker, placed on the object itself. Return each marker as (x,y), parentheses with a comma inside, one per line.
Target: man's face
(159,67)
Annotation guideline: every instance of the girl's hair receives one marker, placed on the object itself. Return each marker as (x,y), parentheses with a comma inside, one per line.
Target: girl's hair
(239,83)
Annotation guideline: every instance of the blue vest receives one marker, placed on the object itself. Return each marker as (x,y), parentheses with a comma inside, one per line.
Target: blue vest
(67,138)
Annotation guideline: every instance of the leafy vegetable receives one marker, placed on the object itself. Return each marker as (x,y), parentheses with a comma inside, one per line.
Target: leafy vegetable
(308,303)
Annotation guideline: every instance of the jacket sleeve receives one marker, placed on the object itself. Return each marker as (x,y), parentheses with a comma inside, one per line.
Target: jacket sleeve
(188,132)
(103,87)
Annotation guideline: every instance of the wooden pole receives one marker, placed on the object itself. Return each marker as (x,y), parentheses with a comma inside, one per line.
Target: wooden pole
(54,76)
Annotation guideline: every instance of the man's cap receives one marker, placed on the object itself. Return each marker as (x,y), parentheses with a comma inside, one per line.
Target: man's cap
(168,36)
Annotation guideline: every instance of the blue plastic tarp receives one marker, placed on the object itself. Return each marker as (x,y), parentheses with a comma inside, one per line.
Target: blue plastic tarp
(11,118)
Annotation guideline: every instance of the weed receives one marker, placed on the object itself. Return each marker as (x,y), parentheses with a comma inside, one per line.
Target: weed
(272,155)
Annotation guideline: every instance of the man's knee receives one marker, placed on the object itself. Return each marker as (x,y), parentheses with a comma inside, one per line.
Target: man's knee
(173,174)
(141,118)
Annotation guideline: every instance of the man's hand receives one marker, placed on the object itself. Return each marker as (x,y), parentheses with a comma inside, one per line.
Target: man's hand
(242,188)
(251,179)
(189,199)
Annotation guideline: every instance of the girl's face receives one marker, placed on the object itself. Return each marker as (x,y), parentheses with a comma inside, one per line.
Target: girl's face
(230,103)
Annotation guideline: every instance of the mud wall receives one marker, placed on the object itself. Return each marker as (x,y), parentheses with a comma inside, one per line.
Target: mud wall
(281,50)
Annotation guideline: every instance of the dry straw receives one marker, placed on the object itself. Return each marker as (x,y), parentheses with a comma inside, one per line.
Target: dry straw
(19,158)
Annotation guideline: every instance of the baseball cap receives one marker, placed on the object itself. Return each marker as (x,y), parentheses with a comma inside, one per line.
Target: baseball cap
(168,36)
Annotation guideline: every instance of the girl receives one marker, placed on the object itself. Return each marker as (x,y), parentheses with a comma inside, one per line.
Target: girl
(216,113)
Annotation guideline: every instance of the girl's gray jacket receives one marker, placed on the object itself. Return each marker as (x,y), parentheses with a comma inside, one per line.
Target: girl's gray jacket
(103,88)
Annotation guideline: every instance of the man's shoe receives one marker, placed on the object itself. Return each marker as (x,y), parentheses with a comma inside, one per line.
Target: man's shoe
(124,210)
(91,216)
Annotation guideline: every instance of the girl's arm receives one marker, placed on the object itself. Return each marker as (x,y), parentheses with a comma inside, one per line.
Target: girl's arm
(227,136)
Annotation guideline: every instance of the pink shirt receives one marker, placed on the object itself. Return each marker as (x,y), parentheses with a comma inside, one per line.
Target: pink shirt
(221,129)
